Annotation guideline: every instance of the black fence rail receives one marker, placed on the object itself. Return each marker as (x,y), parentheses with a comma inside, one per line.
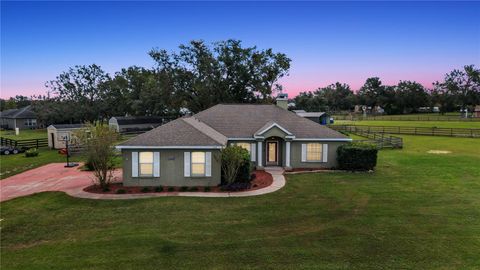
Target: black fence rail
(405,118)
(25,144)
(429,131)
(381,140)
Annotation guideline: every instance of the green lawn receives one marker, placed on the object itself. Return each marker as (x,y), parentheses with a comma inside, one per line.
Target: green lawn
(417,211)
(24,134)
(14,164)
(439,124)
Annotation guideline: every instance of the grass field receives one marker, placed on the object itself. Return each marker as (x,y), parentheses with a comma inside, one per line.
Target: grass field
(24,134)
(414,117)
(439,124)
(417,211)
(14,164)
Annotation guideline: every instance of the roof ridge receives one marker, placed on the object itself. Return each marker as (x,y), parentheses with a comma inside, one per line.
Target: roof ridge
(206,129)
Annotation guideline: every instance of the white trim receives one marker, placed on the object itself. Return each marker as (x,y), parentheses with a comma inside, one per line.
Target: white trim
(271,126)
(259,151)
(156,164)
(287,154)
(167,147)
(253,152)
(325,152)
(134,164)
(304,152)
(241,139)
(186,164)
(324,139)
(208,164)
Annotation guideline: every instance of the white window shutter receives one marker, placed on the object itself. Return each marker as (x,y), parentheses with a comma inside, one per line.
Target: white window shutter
(325,152)
(186,164)
(304,152)
(208,164)
(134,164)
(253,152)
(156,164)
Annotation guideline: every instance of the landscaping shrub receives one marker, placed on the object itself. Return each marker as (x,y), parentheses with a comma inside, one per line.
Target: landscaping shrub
(32,152)
(145,189)
(357,156)
(193,189)
(234,167)
(253,176)
(88,166)
(245,169)
(121,191)
(183,188)
(237,186)
(159,189)
(171,189)
(207,189)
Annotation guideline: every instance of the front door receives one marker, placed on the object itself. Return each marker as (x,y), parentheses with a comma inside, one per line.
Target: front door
(272,153)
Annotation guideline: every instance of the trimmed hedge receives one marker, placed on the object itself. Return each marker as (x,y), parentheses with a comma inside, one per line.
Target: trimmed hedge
(32,152)
(245,170)
(357,156)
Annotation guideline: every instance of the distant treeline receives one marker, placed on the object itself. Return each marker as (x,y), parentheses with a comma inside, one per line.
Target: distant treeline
(200,75)
(194,78)
(460,89)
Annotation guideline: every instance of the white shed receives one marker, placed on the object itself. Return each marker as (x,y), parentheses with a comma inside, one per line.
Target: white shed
(58,134)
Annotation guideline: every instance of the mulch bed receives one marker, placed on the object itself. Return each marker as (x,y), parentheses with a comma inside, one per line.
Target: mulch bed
(262,179)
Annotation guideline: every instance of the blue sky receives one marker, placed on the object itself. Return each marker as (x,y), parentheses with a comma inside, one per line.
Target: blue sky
(327,42)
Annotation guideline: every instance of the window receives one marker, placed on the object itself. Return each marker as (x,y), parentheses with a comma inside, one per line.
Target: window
(245,146)
(314,152)
(145,162)
(30,122)
(198,163)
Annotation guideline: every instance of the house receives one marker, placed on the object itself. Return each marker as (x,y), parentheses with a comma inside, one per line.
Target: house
(23,118)
(136,123)
(476,111)
(59,134)
(186,151)
(321,118)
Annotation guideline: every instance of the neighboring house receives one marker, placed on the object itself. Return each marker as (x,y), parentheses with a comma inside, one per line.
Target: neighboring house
(58,134)
(321,118)
(186,151)
(23,118)
(136,123)
(476,111)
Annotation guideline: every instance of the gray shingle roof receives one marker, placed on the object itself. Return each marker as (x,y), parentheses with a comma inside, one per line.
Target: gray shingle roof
(67,126)
(22,113)
(131,120)
(175,133)
(243,120)
(212,127)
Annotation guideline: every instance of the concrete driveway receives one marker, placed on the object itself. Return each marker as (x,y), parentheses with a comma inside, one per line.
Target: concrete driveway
(51,177)
(55,177)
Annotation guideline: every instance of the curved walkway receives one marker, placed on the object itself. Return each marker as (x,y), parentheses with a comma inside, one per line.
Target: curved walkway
(54,177)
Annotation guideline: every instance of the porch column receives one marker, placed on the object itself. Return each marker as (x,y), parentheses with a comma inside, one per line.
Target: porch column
(259,151)
(287,154)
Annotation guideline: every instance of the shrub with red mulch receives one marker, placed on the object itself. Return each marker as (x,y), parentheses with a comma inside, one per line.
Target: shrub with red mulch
(262,179)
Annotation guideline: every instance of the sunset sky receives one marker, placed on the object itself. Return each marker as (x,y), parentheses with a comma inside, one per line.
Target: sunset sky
(327,42)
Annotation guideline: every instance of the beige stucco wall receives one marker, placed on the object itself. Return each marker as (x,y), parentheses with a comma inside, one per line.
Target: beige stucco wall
(171,169)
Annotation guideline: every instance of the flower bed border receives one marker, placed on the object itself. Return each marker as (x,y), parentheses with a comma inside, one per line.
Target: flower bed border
(262,180)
